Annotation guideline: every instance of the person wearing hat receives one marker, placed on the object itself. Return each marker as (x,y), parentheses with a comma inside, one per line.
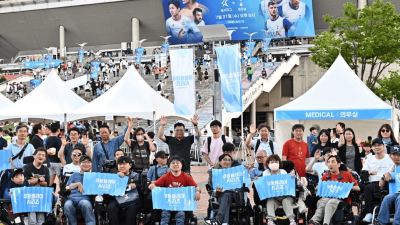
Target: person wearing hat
(160,169)
(17,179)
(320,168)
(76,199)
(384,212)
(376,166)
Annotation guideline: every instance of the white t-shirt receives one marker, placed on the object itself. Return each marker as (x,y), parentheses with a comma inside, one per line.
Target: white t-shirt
(174,27)
(320,168)
(71,168)
(294,15)
(278,27)
(215,148)
(381,166)
(69,64)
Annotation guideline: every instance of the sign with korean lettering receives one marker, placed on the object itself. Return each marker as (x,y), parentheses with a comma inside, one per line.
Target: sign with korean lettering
(275,186)
(174,199)
(230,178)
(358,114)
(334,189)
(31,199)
(394,187)
(104,183)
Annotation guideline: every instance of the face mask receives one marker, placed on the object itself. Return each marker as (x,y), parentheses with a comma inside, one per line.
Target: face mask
(140,138)
(274,166)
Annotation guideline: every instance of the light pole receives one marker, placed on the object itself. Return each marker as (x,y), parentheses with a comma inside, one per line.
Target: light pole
(166,38)
(250,34)
(230,34)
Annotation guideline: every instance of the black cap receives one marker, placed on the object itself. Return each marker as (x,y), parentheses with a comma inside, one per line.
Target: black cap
(84,157)
(16,171)
(377,141)
(395,149)
(160,154)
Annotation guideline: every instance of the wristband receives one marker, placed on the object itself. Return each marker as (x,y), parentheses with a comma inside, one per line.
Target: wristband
(195,124)
(38,180)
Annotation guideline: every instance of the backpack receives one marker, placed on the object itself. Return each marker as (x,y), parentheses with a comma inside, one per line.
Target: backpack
(199,96)
(209,142)
(5,177)
(271,146)
(159,87)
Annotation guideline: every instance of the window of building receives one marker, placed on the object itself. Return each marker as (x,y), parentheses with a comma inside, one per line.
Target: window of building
(287,86)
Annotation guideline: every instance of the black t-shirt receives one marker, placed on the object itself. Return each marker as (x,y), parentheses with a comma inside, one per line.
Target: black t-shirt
(54,142)
(181,148)
(31,171)
(37,142)
(12,184)
(264,72)
(140,154)
(206,73)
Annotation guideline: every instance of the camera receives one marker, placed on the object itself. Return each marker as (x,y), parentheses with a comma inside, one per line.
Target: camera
(107,165)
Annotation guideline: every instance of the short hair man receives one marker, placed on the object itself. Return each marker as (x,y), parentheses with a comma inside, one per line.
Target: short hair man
(213,149)
(38,131)
(160,169)
(277,26)
(118,154)
(54,142)
(18,148)
(74,166)
(66,149)
(263,143)
(294,11)
(261,157)
(320,168)
(191,6)
(177,23)
(3,141)
(312,140)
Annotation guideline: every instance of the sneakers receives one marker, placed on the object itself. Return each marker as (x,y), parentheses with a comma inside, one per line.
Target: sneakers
(270,222)
(368,218)
(292,223)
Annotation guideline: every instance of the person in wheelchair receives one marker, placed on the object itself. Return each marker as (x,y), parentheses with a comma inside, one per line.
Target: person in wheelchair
(74,167)
(326,207)
(76,199)
(124,168)
(320,168)
(160,169)
(229,149)
(258,171)
(376,166)
(384,212)
(173,179)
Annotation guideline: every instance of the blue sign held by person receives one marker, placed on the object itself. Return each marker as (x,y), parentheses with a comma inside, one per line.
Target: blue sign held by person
(394,187)
(230,178)
(94,69)
(5,155)
(174,199)
(31,199)
(275,186)
(104,183)
(334,189)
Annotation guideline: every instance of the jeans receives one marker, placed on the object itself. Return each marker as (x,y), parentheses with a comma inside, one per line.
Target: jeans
(36,218)
(249,76)
(384,212)
(131,212)
(225,201)
(87,211)
(179,217)
(369,194)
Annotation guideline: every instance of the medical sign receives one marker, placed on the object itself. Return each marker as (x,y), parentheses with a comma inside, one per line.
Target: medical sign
(275,186)
(334,189)
(394,187)
(104,183)
(287,18)
(174,199)
(31,199)
(230,178)
(357,114)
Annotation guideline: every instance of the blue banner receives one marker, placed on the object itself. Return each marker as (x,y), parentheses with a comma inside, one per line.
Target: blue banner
(357,114)
(174,199)
(253,60)
(230,178)
(285,19)
(104,183)
(35,82)
(334,189)
(31,199)
(164,47)
(249,46)
(94,69)
(52,63)
(47,59)
(394,187)
(275,186)
(5,155)
(265,44)
(231,84)
(138,54)
(80,53)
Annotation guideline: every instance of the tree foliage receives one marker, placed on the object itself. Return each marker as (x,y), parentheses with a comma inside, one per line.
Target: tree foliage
(367,38)
(2,79)
(388,89)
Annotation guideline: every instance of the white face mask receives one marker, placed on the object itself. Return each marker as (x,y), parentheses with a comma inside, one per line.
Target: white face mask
(274,166)
(140,138)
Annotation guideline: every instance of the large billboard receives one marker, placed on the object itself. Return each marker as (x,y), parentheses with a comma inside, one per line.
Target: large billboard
(269,18)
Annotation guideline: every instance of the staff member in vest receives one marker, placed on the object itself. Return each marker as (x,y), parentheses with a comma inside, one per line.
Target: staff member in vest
(263,143)
(140,149)
(20,148)
(160,169)
(66,148)
(212,147)
(180,145)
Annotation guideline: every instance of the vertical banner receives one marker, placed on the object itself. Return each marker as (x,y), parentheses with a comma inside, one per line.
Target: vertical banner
(47,59)
(4,156)
(182,77)
(174,199)
(94,69)
(157,59)
(248,47)
(138,54)
(80,53)
(164,47)
(163,58)
(31,199)
(265,44)
(229,70)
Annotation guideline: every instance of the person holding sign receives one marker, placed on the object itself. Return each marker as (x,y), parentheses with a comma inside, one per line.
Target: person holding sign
(263,143)
(175,178)
(384,212)
(76,198)
(261,158)
(160,169)
(326,207)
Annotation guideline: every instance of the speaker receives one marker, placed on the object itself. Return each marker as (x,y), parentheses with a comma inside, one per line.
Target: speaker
(216,75)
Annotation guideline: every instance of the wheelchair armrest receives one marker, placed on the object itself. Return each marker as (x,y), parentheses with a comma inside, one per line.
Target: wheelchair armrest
(245,189)
(208,187)
(364,174)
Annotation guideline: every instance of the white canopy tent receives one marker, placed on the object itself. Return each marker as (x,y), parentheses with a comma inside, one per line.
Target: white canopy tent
(132,97)
(50,101)
(4,102)
(339,96)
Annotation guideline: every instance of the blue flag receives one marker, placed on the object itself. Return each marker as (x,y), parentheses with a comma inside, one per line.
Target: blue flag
(80,53)
(104,183)
(230,178)
(249,46)
(394,187)
(231,84)
(47,59)
(4,157)
(275,186)
(31,199)
(334,189)
(52,63)
(138,54)
(94,68)
(174,199)
(164,47)
(265,44)
(35,82)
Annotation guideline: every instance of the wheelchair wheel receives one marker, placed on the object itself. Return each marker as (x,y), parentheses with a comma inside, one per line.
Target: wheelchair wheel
(65,220)
(257,216)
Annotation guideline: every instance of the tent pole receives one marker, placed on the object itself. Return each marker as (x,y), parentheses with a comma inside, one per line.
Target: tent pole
(154,122)
(114,124)
(241,137)
(65,122)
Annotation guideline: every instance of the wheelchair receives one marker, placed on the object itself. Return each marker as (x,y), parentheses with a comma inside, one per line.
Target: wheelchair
(260,211)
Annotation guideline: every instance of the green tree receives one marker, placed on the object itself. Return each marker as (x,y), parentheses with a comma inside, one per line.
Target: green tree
(2,79)
(388,89)
(367,38)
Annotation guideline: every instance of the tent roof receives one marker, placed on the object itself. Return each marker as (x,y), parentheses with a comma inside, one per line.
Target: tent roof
(4,102)
(49,101)
(339,89)
(131,96)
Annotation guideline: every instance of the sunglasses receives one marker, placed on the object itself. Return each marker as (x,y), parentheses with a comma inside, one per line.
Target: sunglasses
(76,154)
(385,131)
